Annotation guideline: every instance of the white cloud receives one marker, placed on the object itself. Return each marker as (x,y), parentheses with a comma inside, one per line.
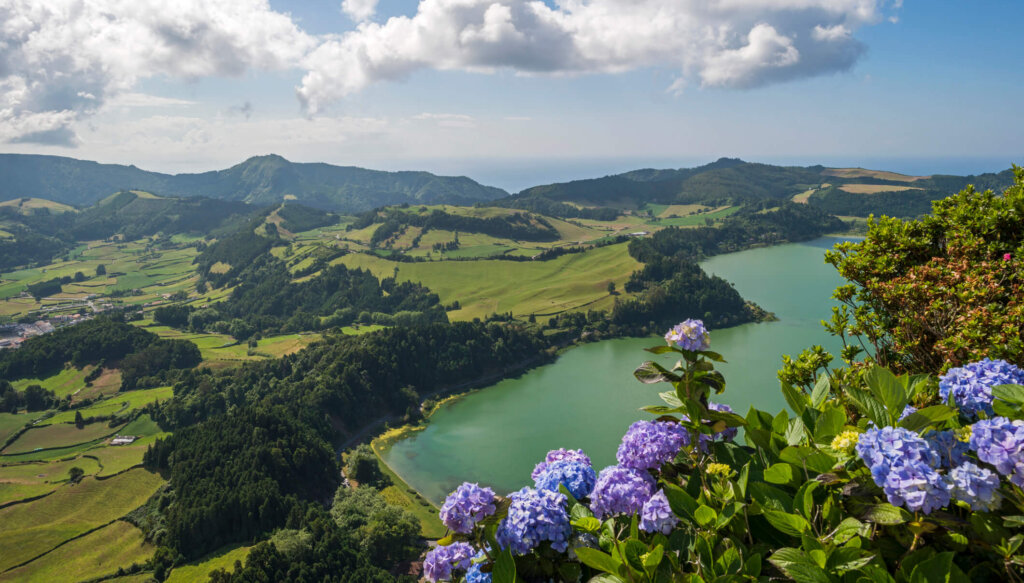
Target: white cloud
(61,60)
(723,43)
(131,99)
(359,10)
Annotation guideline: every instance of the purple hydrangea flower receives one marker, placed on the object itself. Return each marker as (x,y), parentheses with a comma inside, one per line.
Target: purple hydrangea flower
(648,444)
(907,411)
(689,335)
(441,561)
(620,490)
(916,485)
(882,449)
(474,574)
(1000,442)
(577,477)
(951,451)
(971,385)
(976,486)
(656,515)
(556,455)
(466,506)
(535,516)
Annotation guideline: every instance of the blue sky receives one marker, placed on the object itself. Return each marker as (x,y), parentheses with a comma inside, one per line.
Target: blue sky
(498,89)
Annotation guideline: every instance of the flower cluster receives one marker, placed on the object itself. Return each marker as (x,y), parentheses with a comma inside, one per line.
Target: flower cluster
(976,486)
(442,561)
(903,464)
(535,516)
(657,515)
(716,469)
(689,335)
(620,490)
(1000,442)
(474,574)
(557,455)
(845,442)
(649,444)
(466,506)
(576,476)
(916,485)
(951,451)
(971,385)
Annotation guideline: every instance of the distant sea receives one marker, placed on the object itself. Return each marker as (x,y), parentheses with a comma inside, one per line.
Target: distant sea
(517,174)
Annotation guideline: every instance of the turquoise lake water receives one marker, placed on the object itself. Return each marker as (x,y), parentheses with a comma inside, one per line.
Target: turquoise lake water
(588,397)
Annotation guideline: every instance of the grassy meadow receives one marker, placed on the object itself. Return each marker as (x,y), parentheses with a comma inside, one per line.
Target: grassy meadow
(94,555)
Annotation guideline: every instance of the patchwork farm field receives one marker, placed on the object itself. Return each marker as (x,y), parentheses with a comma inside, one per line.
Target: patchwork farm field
(569,282)
(96,554)
(71,381)
(58,435)
(199,571)
(31,529)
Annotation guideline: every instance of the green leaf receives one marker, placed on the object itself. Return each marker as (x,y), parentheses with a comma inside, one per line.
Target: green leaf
(795,398)
(769,496)
(888,389)
(504,568)
(886,514)
(679,500)
(662,410)
(849,559)
(599,560)
(605,578)
(803,502)
(781,473)
(847,529)
(790,524)
(704,515)
(587,524)
(821,391)
(711,355)
(814,460)
(872,408)
(795,432)
(1008,401)
(661,349)
(731,419)
(796,565)
(633,550)
(652,372)
(752,568)
(829,423)
(934,570)
(927,417)
(671,399)
(652,559)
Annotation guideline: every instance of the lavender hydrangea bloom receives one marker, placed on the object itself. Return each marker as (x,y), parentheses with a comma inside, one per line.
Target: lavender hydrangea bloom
(907,411)
(1000,442)
(916,485)
(656,515)
(466,506)
(535,516)
(971,385)
(976,486)
(689,335)
(560,454)
(475,575)
(620,490)
(576,476)
(951,451)
(648,444)
(441,561)
(881,449)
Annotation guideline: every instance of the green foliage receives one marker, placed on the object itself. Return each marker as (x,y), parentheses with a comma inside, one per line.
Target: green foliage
(940,291)
(361,466)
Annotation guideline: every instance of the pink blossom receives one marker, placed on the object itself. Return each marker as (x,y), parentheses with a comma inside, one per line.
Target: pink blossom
(1006,256)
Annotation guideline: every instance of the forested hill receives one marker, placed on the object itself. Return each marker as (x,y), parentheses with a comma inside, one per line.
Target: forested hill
(260,180)
(849,191)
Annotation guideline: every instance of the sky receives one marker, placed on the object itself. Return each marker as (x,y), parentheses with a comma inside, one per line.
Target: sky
(515,92)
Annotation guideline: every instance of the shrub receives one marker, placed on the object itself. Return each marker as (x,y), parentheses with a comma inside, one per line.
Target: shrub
(875,478)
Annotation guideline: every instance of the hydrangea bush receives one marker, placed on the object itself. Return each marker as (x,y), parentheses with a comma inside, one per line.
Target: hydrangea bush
(870,477)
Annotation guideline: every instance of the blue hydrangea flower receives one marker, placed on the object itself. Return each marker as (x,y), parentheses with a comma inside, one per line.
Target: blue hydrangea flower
(881,449)
(648,444)
(620,490)
(557,455)
(442,561)
(1000,442)
(971,385)
(689,335)
(576,476)
(951,451)
(474,574)
(976,486)
(535,516)
(916,485)
(907,411)
(466,506)
(656,515)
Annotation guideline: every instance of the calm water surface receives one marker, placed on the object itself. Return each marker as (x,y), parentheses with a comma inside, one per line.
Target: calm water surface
(588,397)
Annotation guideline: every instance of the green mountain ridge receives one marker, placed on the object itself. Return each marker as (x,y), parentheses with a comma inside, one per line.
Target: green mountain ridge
(261,180)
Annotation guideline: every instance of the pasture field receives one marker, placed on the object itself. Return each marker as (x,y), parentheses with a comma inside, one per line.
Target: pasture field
(804,196)
(11,492)
(863,173)
(573,281)
(28,530)
(58,435)
(119,403)
(10,423)
(96,554)
(696,220)
(46,473)
(874,188)
(221,350)
(114,459)
(25,206)
(199,571)
(71,381)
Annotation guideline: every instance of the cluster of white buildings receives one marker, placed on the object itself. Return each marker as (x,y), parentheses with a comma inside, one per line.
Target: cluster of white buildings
(12,335)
